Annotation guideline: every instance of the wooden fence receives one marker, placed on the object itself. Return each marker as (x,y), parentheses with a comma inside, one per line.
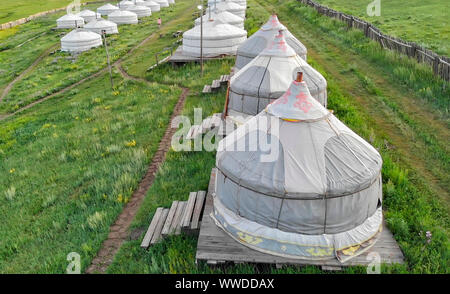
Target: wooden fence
(439,64)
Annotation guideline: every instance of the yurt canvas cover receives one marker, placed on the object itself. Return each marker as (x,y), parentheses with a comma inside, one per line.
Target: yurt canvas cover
(69,21)
(107,9)
(230,7)
(268,76)
(125,4)
(97,26)
(162,3)
(318,197)
(89,15)
(223,16)
(218,38)
(141,11)
(242,3)
(80,40)
(257,42)
(123,17)
(153,5)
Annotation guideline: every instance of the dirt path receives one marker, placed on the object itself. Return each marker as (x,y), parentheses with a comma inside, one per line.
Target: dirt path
(128,76)
(119,230)
(19,77)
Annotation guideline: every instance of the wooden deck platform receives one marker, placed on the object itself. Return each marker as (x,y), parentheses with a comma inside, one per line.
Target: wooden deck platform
(215,246)
(179,57)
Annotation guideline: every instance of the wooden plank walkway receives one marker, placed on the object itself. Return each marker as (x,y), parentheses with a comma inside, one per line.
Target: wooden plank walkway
(183,216)
(215,246)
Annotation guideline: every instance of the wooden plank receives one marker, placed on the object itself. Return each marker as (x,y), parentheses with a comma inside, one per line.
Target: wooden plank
(215,84)
(157,234)
(180,217)
(199,203)
(177,217)
(216,245)
(166,229)
(188,210)
(149,234)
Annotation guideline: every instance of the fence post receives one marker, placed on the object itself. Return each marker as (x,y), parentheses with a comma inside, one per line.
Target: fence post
(366,30)
(436,62)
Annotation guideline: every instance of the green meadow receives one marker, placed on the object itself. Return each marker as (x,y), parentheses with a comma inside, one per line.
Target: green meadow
(424,22)
(13,10)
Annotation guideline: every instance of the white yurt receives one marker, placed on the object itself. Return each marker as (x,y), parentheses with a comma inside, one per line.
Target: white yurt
(218,39)
(153,5)
(88,15)
(223,16)
(98,25)
(259,41)
(123,17)
(240,2)
(107,9)
(162,3)
(141,11)
(268,76)
(80,40)
(230,7)
(314,193)
(69,21)
(123,5)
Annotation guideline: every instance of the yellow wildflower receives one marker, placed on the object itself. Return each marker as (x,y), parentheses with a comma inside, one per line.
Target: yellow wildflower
(132,143)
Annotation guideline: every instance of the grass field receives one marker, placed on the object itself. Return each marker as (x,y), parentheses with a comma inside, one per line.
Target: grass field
(68,165)
(13,10)
(424,22)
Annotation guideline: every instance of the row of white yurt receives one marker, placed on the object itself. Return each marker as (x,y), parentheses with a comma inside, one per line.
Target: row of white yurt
(224,16)
(80,40)
(218,39)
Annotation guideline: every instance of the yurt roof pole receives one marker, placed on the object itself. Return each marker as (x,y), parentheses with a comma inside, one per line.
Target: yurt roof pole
(299,77)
